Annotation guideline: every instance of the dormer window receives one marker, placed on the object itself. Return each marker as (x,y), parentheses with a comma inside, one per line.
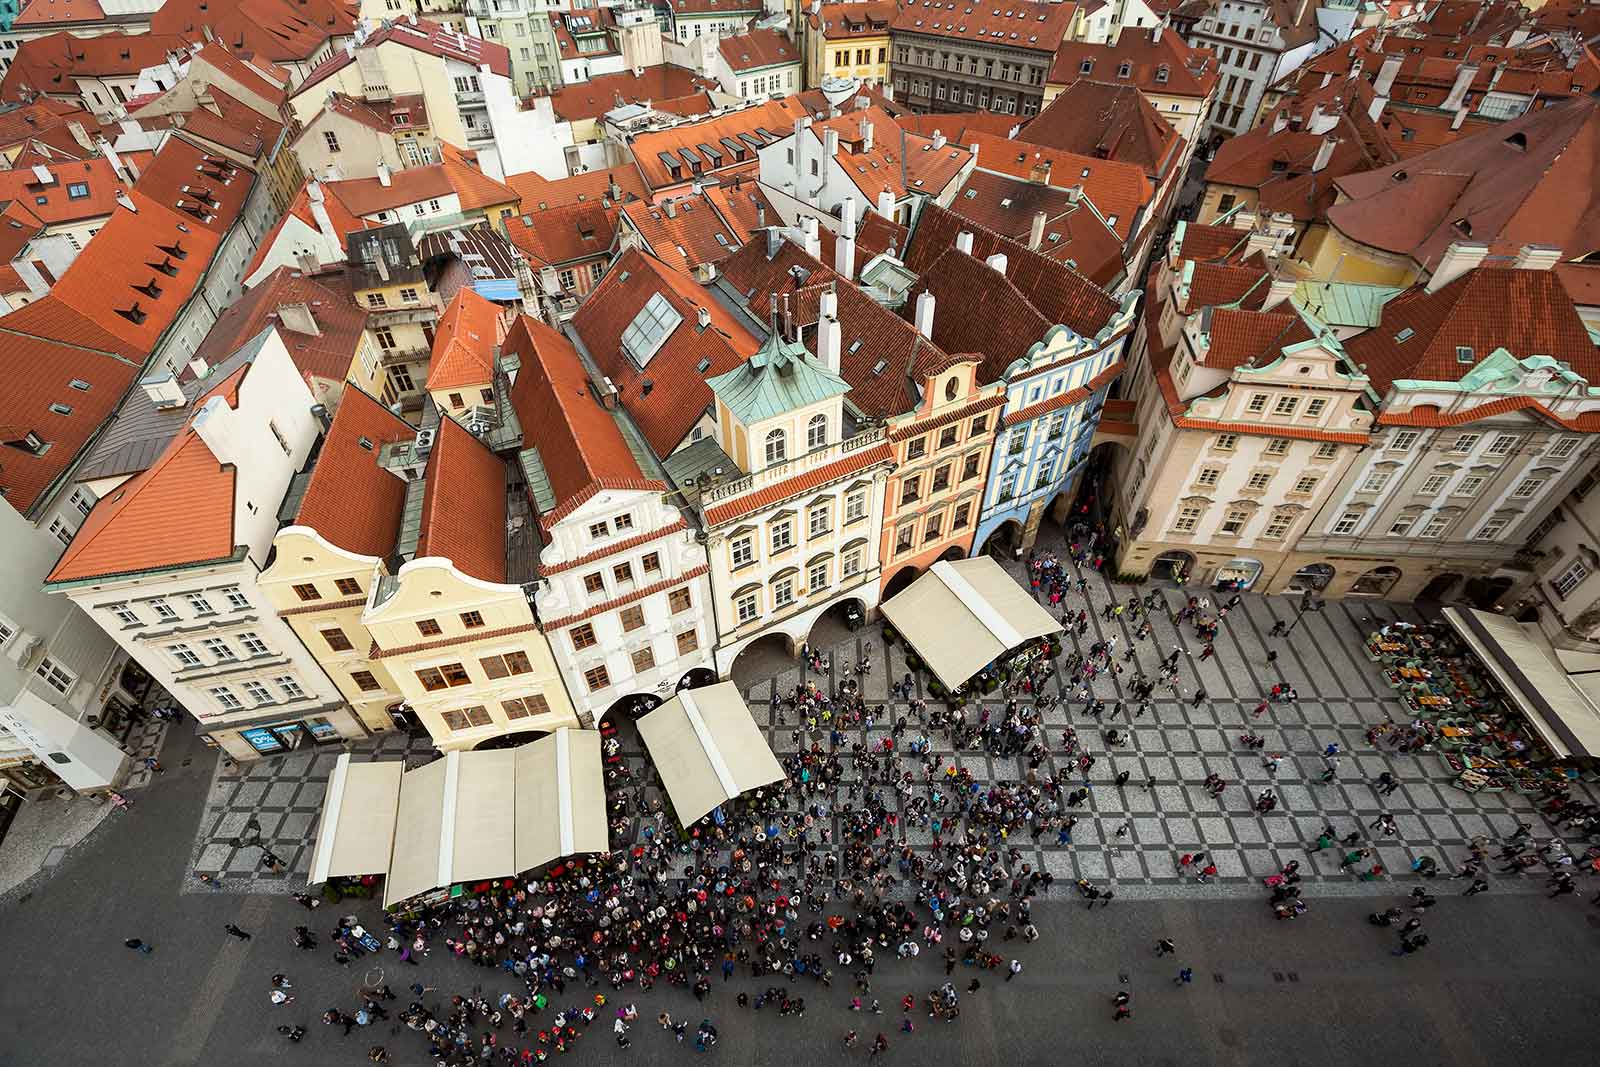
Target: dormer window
(1161,74)
(777,449)
(1125,69)
(134,314)
(175,250)
(149,288)
(29,442)
(166,266)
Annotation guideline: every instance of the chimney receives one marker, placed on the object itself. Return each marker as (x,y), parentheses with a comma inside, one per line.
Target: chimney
(1036,231)
(812,243)
(319,211)
(1459,118)
(670,207)
(1459,258)
(199,367)
(1458,91)
(830,338)
(925,315)
(938,140)
(384,178)
(298,317)
(1375,109)
(114,159)
(866,135)
(886,204)
(703,317)
(1278,290)
(997,262)
(1155,34)
(1039,173)
(1386,75)
(163,390)
(1324,153)
(844,246)
(308,262)
(127,201)
(382,263)
(1536,257)
(964,242)
(830,142)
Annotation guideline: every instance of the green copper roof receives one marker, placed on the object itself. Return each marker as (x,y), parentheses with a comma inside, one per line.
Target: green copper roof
(1343,303)
(779,378)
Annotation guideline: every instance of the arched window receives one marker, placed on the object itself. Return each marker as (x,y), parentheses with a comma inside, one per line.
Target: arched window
(777,447)
(817,432)
(951,387)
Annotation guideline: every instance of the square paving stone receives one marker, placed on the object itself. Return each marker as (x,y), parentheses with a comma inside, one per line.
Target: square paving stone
(1091,864)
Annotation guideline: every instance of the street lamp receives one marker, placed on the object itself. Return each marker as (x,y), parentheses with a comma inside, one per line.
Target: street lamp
(1309,601)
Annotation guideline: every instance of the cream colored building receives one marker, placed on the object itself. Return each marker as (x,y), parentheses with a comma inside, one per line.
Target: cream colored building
(848,40)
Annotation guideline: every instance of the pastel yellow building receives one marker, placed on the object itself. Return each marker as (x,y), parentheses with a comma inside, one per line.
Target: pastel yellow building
(848,41)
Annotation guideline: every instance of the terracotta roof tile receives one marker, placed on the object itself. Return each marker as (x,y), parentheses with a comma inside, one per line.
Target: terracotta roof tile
(679,394)
(326,355)
(603,92)
(898,162)
(474,188)
(538,193)
(694,233)
(1073,232)
(1020,24)
(465,342)
(875,236)
(1429,415)
(1202,242)
(54,203)
(201,188)
(1068,398)
(1106,122)
(757,48)
(134,528)
(53,11)
(848,21)
(366,197)
(464,505)
(351,500)
(1162,65)
(27,121)
(1007,330)
(1120,190)
(741,126)
(777,492)
(561,235)
(1213,284)
(343,219)
(1240,337)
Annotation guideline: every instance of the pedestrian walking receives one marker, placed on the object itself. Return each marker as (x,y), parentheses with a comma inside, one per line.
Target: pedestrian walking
(1185,976)
(236,932)
(139,946)
(1478,886)
(1199,697)
(1014,969)
(1272,656)
(1278,628)
(1165,947)
(153,765)
(1124,1010)
(293,1033)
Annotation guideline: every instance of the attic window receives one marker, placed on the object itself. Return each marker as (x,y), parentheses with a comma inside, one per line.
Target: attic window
(1125,69)
(1161,74)
(1518,140)
(135,314)
(175,249)
(1279,166)
(365,443)
(61,409)
(1464,354)
(1086,67)
(29,442)
(149,288)
(1398,176)
(1464,225)
(878,367)
(704,364)
(79,384)
(855,344)
(972,194)
(1404,335)
(165,267)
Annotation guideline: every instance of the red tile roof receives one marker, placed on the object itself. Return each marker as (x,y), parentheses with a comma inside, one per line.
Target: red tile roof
(48,64)
(52,203)
(679,395)
(281,30)
(327,355)
(1020,24)
(1527,181)
(538,193)
(777,492)
(258,74)
(27,121)
(569,234)
(239,127)
(201,187)
(775,116)
(1204,242)
(44,348)
(464,343)
(1073,232)
(686,238)
(757,48)
(1163,65)
(1527,312)
(1118,190)
(960,126)
(414,185)
(1429,415)
(860,18)
(742,206)
(344,222)
(350,500)
(1212,284)
(898,162)
(474,188)
(579,442)
(603,92)
(133,529)
(45,12)
(1107,122)
(1240,337)
(423,36)
(464,505)
(1067,398)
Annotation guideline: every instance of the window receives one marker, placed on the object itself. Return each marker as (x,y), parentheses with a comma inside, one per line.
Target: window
(346,586)
(304,592)
(1327,450)
(506,664)
(679,600)
(651,564)
(1464,354)
(1234,520)
(1225,203)
(583,637)
(599,529)
(855,507)
(1277,526)
(283,442)
(125,615)
(961,516)
(330,139)
(1403,440)
(1400,526)
(429,627)
(1569,579)
(1208,476)
(365,681)
(1315,406)
(643,659)
(1432,484)
(905,539)
(1257,404)
(782,536)
(745,607)
(1527,488)
(1469,485)
(851,565)
(1278,446)
(1375,482)
(198,603)
(783,592)
(1493,529)
(185,655)
(1347,522)
(911,489)
(917,448)
(1226,442)
(258,693)
(594,584)
(1259,480)
(743,550)
(472,620)
(622,522)
(219,649)
(466,718)
(622,573)
(1188,519)
(1008,487)
(445,676)
(1502,444)
(225,698)
(632,617)
(947,436)
(1305,484)
(376,300)
(1058,426)
(522,707)
(336,639)
(597,678)
(1563,447)
(930,531)
(777,447)
(941,478)
(979,424)
(1016,443)
(1286,405)
(688,641)
(1435,526)
(817,432)
(163,610)
(817,576)
(1466,442)
(969,466)
(236,598)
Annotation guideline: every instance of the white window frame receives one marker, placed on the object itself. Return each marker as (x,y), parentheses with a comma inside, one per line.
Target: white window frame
(1347,524)
(1572,576)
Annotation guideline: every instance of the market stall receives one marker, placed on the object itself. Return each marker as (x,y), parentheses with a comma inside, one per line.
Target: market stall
(708,749)
(356,831)
(561,798)
(965,614)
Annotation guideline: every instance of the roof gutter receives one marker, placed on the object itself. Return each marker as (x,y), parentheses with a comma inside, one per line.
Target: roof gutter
(239,553)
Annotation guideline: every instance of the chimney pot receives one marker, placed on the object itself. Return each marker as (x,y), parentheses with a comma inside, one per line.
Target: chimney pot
(997,262)
(924,315)
(1036,231)
(964,242)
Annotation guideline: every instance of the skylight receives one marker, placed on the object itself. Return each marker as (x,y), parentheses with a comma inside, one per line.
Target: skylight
(650,329)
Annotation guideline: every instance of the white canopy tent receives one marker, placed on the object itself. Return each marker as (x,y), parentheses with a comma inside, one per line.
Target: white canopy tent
(708,749)
(1559,703)
(963,615)
(467,817)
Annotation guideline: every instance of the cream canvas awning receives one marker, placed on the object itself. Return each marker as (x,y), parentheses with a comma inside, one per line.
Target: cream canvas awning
(963,615)
(1558,705)
(561,798)
(708,749)
(418,833)
(356,831)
